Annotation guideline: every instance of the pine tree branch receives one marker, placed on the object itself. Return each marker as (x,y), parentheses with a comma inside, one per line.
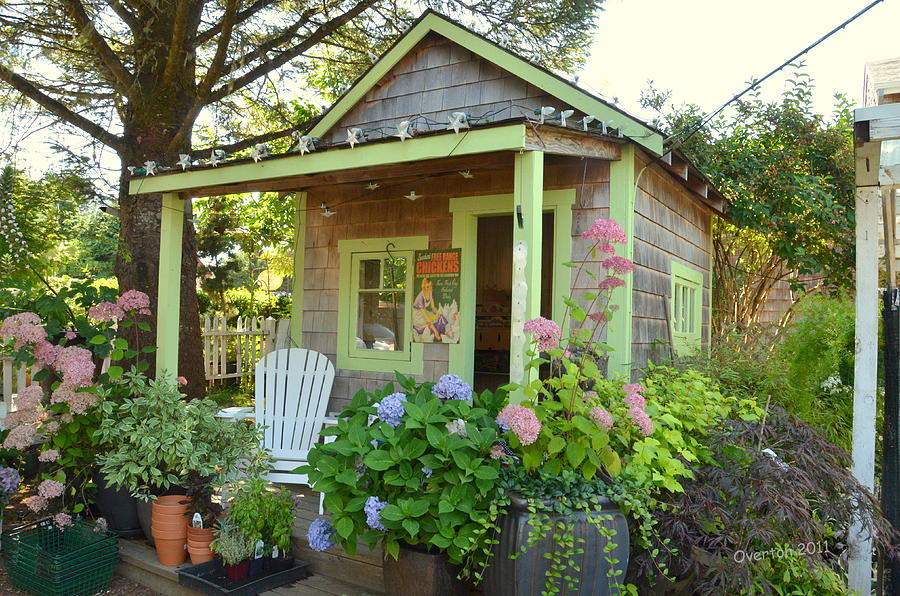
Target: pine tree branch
(29,90)
(179,32)
(269,65)
(121,79)
(127,17)
(242,16)
(215,68)
(283,37)
(263,138)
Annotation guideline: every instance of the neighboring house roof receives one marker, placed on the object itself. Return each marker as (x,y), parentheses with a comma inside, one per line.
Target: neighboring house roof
(576,97)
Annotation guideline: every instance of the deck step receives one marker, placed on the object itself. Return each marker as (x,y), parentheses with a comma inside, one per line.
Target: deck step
(139,563)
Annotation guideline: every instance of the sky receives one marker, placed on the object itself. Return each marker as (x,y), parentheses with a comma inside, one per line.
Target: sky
(706,51)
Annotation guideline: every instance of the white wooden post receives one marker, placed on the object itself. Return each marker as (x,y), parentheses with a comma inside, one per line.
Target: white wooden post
(865,379)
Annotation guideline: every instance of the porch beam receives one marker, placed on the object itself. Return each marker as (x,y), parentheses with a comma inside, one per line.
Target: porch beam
(168,301)
(621,208)
(297,294)
(439,146)
(528,218)
(560,141)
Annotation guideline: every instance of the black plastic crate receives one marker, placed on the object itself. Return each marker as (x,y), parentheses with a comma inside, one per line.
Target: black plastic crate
(209,578)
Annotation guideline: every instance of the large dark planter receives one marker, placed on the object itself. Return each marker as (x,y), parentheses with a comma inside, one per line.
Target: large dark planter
(526,575)
(417,572)
(118,507)
(145,510)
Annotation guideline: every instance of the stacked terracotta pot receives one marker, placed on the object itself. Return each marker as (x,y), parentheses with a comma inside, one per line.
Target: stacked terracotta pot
(170,527)
(198,540)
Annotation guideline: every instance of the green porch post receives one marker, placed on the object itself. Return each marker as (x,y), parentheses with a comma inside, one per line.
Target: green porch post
(621,209)
(299,259)
(168,302)
(528,201)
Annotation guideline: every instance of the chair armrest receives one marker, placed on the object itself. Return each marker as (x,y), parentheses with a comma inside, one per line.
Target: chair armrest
(234,413)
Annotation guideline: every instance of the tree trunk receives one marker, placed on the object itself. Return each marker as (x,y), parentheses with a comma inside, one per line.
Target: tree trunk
(137,267)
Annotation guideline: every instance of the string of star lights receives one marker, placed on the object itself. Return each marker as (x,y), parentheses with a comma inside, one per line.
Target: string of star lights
(407,129)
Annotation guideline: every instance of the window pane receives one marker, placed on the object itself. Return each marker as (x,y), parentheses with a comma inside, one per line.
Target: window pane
(380,321)
(369,274)
(395,273)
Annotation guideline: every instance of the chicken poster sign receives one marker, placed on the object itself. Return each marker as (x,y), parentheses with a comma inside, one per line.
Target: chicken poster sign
(435,315)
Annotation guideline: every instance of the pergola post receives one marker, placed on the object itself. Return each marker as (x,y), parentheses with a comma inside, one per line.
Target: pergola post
(299,264)
(168,301)
(528,217)
(621,208)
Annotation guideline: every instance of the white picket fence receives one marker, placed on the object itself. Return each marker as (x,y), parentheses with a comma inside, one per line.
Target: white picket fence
(233,353)
(12,379)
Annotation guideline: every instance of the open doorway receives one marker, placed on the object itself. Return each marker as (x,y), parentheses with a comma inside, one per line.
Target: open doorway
(493,295)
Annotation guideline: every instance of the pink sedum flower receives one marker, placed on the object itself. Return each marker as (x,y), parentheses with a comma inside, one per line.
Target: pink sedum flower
(36,503)
(599,317)
(24,328)
(545,331)
(48,456)
(620,265)
(607,248)
(521,421)
(602,418)
(605,230)
(51,489)
(62,520)
(106,312)
(611,283)
(29,398)
(133,300)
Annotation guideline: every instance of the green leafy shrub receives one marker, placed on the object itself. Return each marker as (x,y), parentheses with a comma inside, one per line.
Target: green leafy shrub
(263,513)
(256,303)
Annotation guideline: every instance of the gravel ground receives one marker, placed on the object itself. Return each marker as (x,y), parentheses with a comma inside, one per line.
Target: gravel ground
(118,587)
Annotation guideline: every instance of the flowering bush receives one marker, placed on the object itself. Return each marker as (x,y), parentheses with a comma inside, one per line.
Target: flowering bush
(413,465)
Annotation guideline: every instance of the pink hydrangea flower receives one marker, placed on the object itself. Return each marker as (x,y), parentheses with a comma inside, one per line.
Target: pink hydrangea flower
(602,418)
(50,455)
(46,353)
(70,335)
(635,400)
(36,503)
(641,420)
(20,417)
(611,283)
(181,381)
(632,388)
(521,421)
(620,265)
(605,230)
(62,520)
(21,437)
(497,452)
(106,312)
(24,327)
(101,525)
(598,317)
(49,427)
(78,401)
(76,366)
(29,398)
(546,332)
(51,489)
(133,300)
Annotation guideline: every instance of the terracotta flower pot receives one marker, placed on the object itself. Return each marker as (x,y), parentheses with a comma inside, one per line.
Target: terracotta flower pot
(199,555)
(198,540)
(200,534)
(182,500)
(170,552)
(239,571)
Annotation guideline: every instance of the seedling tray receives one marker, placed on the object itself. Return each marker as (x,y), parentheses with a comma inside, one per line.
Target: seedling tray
(209,578)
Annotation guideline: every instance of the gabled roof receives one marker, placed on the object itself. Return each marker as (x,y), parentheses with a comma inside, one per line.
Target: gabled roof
(552,84)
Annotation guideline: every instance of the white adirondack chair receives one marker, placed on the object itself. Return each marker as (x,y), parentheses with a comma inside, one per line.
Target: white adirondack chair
(292,390)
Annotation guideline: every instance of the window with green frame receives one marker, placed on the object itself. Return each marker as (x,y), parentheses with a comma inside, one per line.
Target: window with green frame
(687,309)
(374,315)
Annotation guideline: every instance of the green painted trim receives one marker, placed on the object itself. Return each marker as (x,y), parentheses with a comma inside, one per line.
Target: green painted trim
(687,343)
(504,59)
(168,297)
(481,140)
(622,188)
(297,295)
(466,211)
(409,362)
(712,261)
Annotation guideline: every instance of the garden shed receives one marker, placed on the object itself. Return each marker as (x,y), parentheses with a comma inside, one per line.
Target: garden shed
(412,191)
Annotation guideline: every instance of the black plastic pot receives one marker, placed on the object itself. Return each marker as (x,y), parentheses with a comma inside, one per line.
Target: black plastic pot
(526,575)
(277,564)
(419,572)
(256,566)
(118,507)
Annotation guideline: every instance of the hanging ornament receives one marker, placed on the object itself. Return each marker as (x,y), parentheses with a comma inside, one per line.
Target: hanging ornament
(355,136)
(150,167)
(466,174)
(372,186)
(184,160)
(412,196)
(604,126)
(134,170)
(545,112)
(587,120)
(307,144)
(458,120)
(326,212)
(403,131)
(217,157)
(259,151)
(563,115)
(373,57)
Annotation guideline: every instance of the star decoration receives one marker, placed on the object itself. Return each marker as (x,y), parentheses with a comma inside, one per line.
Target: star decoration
(307,144)
(545,112)
(587,120)
(412,196)
(372,186)
(259,151)
(150,167)
(565,114)
(184,160)
(466,174)
(403,131)
(458,120)
(326,212)
(217,157)
(355,136)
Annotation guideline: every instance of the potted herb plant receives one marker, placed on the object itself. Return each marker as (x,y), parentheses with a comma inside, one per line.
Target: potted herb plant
(204,514)
(410,469)
(266,514)
(234,548)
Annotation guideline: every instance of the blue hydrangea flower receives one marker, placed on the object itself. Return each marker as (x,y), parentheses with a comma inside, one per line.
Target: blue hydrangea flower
(319,535)
(427,471)
(9,480)
(373,508)
(452,387)
(391,409)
